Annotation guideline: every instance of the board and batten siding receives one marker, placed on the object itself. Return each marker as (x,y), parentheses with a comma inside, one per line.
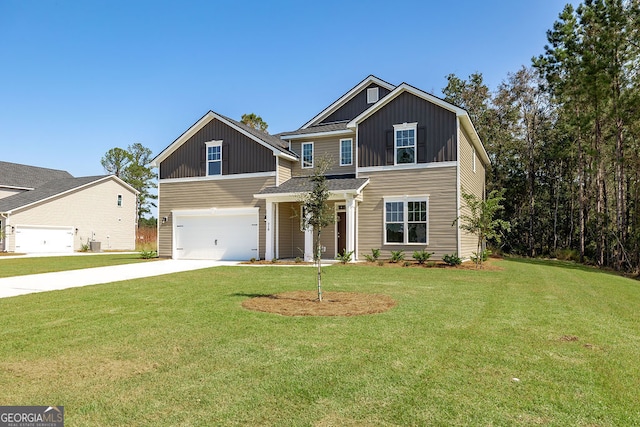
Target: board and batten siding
(438,183)
(92,210)
(206,194)
(436,139)
(240,154)
(324,147)
(355,105)
(471,182)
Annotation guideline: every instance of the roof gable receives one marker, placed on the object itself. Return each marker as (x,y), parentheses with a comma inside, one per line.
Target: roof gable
(55,188)
(271,142)
(344,99)
(462,114)
(25,177)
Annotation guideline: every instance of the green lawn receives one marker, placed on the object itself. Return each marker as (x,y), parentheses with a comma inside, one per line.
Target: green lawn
(22,266)
(180,350)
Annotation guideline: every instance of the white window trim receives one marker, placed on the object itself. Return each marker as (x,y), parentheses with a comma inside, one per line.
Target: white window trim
(350,147)
(119,200)
(405,126)
(405,200)
(213,144)
(313,157)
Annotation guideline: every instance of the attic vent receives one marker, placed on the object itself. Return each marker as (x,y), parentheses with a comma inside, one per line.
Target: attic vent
(372,95)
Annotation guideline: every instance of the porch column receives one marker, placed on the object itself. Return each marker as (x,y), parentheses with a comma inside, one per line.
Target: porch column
(308,243)
(350,228)
(269,252)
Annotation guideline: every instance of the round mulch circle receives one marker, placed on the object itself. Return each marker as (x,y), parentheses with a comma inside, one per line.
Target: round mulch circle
(305,303)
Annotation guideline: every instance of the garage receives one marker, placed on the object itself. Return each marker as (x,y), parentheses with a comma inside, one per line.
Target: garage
(219,234)
(42,239)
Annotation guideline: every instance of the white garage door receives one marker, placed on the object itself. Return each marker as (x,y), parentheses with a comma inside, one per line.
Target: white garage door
(225,234)
(32,239)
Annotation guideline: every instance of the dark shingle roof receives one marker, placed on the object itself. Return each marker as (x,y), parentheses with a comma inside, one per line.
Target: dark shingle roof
(271,140)
(302,184)
(329,127)
(23,176)
(45,191)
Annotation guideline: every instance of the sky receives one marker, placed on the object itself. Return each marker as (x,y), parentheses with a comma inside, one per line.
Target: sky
(78,78)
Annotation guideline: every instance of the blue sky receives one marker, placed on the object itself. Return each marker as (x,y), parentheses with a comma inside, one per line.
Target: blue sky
(78,78)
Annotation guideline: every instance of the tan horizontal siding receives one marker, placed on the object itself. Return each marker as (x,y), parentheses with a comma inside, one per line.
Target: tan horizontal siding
(284,170)
(228,193)
(439,183)
(92,210)
(324,147)
(471,182)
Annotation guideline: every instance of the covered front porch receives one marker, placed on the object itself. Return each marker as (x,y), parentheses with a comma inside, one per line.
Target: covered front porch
(285,235)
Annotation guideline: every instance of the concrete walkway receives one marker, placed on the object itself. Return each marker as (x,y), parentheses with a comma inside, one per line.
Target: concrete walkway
(21,285)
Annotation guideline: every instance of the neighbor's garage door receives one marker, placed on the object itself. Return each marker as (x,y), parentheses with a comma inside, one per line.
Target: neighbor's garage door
(31,239)
(226,234)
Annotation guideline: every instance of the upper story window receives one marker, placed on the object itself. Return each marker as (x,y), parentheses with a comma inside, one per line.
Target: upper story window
(119,200)
(405,143)
(214,158)
(406,220)
(346,152)
(307,155)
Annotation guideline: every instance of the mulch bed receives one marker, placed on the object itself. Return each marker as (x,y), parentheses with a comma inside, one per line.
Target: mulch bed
(305,303)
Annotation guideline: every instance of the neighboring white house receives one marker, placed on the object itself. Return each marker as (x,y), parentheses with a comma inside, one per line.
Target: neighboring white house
(49,211)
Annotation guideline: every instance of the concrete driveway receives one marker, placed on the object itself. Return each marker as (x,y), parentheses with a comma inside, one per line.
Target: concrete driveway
(20,285)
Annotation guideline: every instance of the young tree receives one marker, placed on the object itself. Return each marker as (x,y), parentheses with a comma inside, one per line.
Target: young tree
(317,212)
(254,121)
(481,219)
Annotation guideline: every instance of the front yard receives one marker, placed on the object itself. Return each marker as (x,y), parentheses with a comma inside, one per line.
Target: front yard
(23,266)
(536,343)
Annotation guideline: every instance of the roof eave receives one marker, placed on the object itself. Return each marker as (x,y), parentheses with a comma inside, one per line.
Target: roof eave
(204,120)
(346,97)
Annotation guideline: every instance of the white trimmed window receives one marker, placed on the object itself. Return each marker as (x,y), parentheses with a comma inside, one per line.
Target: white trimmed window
(119,200)
(307,155)
(214,158)
(406,220)
(346,152)
(405,143)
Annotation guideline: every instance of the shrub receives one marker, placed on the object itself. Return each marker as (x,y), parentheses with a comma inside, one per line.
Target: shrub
(252,260)
(452,259)
(406,264)
(344,257)
(430,264)
(422,256)
(298,260)
(397,256)
(274,261)
(375,254)
(380,262)
(148,254)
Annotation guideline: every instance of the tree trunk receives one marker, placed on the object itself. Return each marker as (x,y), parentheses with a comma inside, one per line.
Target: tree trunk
(319,261)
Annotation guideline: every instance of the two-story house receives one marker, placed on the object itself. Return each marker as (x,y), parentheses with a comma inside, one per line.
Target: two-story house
(400,157)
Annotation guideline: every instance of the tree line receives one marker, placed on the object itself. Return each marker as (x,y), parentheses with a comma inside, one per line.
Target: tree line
(563,136)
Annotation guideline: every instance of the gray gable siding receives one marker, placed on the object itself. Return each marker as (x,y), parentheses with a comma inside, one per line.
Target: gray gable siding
(436,131)
(240,154)
(355,105)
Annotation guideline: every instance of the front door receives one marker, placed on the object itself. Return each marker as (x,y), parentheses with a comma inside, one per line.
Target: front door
(341,231)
